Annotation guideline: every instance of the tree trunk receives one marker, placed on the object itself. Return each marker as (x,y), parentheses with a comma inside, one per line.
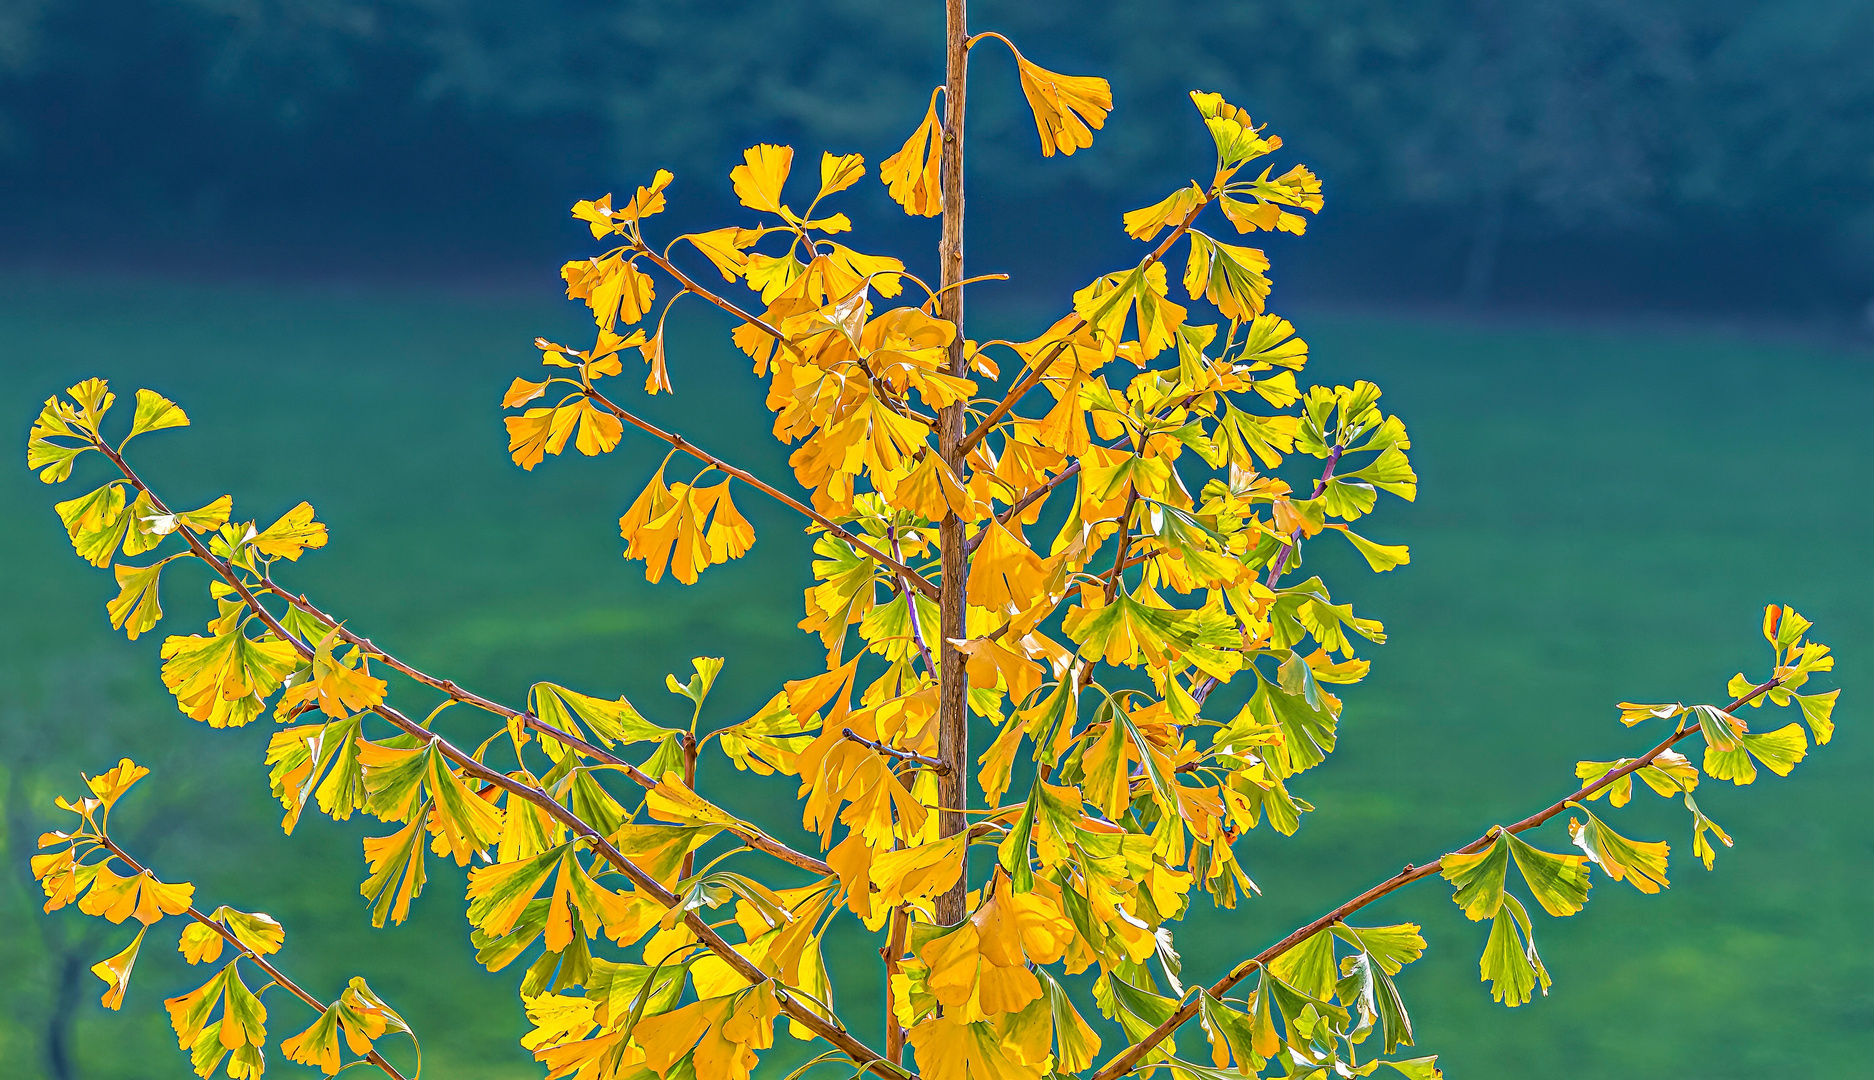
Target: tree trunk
(953,731)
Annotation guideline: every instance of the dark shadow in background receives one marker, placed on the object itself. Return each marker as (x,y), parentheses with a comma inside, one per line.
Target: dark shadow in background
(1573,155)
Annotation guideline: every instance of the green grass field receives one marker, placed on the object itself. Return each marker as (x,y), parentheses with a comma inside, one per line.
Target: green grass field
(1603,515)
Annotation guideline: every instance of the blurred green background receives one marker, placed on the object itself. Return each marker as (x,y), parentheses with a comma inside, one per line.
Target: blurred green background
(1612,263)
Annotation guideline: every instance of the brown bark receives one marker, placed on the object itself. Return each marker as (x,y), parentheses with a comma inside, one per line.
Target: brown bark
(953,735)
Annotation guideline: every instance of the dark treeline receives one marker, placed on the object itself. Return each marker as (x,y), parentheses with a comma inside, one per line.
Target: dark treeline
(1715,155)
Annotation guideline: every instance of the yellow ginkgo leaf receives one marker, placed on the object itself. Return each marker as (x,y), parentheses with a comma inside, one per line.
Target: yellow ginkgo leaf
(839,172)
(109,786)
(911,175)
(316,1046)
(116,971)
(118,898)
(949,1048)
(918,873)
(1065,106)
(758,181)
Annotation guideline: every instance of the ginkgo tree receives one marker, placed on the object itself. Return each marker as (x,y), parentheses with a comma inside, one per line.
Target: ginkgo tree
(1066,543)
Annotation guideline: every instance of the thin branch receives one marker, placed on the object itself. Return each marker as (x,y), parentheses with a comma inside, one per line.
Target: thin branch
(760,841)
(1035,373)
(910,603)
(1280,565)
(259,961)
(1200,691)
(1125,544)
(894,1032)
(1015,508)
(903,408)
(916,579)
(832,1032)
(1125,1061)
(931,763)
(1069,472)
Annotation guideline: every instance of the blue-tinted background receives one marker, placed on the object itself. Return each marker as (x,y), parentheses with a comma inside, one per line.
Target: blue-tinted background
(1611,262)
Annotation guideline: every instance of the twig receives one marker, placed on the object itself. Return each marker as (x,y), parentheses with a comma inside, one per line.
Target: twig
(931,763)
(916,579)
(1125,544)
(910,603)
(1124,1062)
(1201,690)
(903,408)
(1035,373)
(1280,565)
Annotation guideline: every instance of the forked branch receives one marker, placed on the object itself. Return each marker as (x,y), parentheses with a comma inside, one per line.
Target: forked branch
(912,577)
(259,961)
(1124,1062)
(805,1014)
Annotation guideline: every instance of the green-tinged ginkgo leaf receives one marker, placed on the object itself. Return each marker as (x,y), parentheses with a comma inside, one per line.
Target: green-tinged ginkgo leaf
(243,1017)
(1309,966)
(1631,713)
(1510,963)
(1639,862)
(1232,278)
(1371,992)
(1669,773)
(317,1046)
(154,413)
(319,759)
(499,894)
(1075,1042)
(1701,824)
(396,865)
(1231,1034)
(340,687)
(1779,751)
(465,821)
(1479,877)
(96,522)
(1560,882)
(1137,1010)
(393,777)
(1391,471)
(610,721)
(223,679)
(1393,947)
(1381,557)
(1817,710)
(1720,729)
(137,607)
(57,419)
